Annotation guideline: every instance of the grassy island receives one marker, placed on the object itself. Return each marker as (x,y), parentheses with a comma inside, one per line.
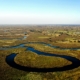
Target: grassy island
(30,59)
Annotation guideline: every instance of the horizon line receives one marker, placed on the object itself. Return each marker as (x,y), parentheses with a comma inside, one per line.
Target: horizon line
(39,24)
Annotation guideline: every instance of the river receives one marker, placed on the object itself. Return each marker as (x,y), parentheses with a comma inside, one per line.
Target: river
(10,58)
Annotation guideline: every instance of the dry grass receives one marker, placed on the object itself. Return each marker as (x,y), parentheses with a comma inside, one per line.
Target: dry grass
(31,59)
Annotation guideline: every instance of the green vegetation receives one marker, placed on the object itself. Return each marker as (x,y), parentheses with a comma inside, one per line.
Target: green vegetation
(62,36)
(31,59)
(7,72)
(31,76)
(45,48)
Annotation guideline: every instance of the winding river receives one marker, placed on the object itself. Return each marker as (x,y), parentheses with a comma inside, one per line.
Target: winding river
(10,58)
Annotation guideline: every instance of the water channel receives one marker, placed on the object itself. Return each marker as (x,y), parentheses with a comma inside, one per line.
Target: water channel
(10,58)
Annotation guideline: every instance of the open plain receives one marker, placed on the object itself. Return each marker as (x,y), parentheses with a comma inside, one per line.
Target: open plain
(40,52)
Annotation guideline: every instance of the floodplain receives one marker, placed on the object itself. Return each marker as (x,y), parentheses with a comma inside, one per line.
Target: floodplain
(40,52)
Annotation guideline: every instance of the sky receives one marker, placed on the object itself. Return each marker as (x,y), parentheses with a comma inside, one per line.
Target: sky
(39,11)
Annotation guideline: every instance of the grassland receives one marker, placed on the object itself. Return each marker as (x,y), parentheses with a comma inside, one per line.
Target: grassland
(64,37)
(33,60)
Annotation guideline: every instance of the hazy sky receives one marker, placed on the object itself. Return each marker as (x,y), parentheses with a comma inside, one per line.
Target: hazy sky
(39,11)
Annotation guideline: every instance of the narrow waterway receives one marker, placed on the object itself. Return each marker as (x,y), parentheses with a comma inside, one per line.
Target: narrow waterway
(75,62)
(10,58)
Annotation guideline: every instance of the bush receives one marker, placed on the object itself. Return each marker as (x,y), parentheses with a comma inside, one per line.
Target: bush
(31,76)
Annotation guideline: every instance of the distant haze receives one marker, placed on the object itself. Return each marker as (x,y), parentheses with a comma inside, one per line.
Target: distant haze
(39,11)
